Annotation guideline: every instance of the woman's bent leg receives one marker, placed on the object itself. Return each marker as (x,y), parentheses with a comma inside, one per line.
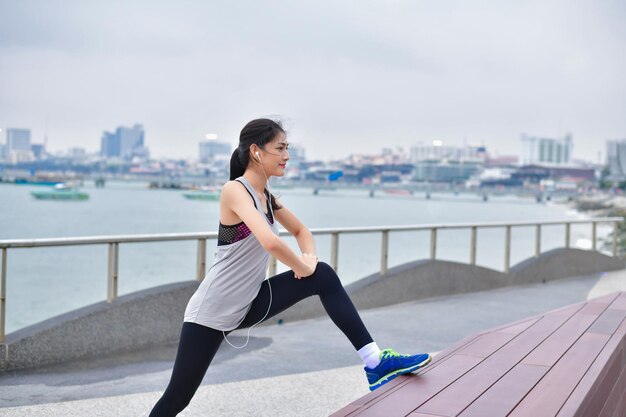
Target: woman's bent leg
(197,347)
(287,290)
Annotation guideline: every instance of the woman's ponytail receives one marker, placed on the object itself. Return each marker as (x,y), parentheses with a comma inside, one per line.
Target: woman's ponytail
(237,167)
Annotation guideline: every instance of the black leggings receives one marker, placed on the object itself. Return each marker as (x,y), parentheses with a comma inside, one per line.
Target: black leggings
(198,344)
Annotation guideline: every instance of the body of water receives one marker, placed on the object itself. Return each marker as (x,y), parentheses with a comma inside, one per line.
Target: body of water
(44,282)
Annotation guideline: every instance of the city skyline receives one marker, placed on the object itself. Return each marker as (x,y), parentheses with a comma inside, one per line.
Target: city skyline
(392,74)
(406,148)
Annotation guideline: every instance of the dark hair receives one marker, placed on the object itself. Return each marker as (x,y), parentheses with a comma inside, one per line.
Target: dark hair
(259,132)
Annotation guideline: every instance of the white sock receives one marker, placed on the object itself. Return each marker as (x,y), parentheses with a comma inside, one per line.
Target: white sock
(370,355)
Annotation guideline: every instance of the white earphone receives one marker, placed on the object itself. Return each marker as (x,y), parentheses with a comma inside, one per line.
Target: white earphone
(257,156)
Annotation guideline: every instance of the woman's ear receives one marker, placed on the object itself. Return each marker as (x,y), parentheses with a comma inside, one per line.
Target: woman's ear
(254,150)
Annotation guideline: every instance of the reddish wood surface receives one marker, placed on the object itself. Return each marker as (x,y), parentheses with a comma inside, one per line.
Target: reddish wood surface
(567,362)
(504,395)
(591,393)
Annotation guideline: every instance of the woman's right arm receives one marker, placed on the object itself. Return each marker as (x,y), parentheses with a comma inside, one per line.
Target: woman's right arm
(235,197)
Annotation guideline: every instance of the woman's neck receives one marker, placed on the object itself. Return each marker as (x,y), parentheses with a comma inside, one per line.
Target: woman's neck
(258,181)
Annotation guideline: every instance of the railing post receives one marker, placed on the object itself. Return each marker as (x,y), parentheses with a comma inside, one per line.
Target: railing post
(593,236)
(473,247)
(537,240)
(384,252)
(272,270)
(567,233)
(615,238)
(334,250)
(113,271)
(433,243)
(3,296)
(507,249)
(201,260)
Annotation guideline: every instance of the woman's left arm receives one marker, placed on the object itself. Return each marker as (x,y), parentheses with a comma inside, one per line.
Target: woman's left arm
(293,225)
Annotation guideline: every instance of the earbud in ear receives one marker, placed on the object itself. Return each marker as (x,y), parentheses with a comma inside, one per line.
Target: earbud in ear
(257,156)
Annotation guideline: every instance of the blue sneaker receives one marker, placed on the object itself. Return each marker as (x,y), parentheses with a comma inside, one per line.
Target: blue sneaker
(393,364)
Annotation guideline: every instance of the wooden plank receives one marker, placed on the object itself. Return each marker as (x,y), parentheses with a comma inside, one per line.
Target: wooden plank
(613,403)
(417,390)
(608,322)
(449,352)
(346,411)
(620,302)
(609,298)
(594,308)
(504,395)
(587,399)
(518,327)
(487,344)
(549,395)
(551,349)
(423,415)
(466,389)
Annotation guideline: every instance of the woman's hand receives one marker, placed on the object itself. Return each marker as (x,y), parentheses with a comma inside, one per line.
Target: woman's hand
(310,263)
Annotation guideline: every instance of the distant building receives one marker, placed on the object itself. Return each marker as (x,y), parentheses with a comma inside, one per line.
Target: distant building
(18,139)
(39,150)
(434,151)
(109,145)
(505,160)
(76,153)
(125,143)
(446,171)
(616,159)
(18,145)
(437,151)
(535,173)
(536,150)
(210,149)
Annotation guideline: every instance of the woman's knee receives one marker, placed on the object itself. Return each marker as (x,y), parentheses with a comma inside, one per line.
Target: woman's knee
(327,273)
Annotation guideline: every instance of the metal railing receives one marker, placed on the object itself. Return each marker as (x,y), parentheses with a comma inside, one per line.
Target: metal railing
(114,241)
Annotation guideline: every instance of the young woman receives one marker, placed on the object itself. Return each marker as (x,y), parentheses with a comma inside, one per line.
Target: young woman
(235,294)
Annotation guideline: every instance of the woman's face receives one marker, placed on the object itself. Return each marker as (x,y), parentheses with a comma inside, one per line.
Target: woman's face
(274,156)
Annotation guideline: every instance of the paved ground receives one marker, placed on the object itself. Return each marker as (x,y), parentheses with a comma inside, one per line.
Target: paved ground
(300,369)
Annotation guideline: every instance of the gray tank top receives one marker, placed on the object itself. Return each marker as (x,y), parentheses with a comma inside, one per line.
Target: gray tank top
(224,296)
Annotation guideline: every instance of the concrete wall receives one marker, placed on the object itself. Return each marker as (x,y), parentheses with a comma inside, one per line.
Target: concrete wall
(154,316)
(145,318)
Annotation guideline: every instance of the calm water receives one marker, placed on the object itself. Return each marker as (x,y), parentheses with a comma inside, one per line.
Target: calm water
(44,282)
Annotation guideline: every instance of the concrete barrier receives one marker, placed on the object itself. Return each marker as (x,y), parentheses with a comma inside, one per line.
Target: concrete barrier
(154,316)
(145,318)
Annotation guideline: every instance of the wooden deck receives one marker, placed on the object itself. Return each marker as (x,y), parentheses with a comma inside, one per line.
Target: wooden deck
(567,362)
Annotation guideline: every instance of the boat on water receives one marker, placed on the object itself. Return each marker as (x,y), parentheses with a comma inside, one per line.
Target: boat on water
(62,192)
(205,195)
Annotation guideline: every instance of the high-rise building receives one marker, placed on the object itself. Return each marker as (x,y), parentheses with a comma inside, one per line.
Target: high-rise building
(18,140)
(616,159)
(536,150)
(210,149)
(109,145)
(124,143)
(18,145)
(130,139)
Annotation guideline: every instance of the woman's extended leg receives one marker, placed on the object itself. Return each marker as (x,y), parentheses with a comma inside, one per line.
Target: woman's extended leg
(381,367)
(196,349)
(287,290)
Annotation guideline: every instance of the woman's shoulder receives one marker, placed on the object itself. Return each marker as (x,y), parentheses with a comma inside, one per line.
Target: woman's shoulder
(232,185)
(234,190)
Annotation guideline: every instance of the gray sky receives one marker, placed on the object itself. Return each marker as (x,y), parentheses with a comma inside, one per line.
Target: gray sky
(345,76)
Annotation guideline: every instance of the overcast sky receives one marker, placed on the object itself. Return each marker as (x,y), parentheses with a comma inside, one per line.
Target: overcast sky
(346,77)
